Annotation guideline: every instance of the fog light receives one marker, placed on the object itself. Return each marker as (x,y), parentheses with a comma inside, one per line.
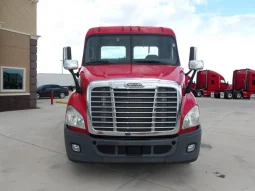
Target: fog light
(76,148)
(191,148)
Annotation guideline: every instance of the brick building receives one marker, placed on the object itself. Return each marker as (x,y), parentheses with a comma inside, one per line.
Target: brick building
(18,54)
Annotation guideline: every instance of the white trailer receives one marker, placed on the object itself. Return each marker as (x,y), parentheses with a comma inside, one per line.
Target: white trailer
(65,80)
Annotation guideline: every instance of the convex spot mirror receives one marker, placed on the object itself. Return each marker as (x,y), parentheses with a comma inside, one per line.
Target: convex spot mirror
(68,63)
(196,64)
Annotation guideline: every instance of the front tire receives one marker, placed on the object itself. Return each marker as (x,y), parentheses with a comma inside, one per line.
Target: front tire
(38,96)
(62,95)
(199,93)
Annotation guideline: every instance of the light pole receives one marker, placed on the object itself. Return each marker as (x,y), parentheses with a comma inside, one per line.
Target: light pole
(62,66)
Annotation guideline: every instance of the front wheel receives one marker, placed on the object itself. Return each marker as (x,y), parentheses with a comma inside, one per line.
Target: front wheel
(37,96)
(62,95)
(199,93)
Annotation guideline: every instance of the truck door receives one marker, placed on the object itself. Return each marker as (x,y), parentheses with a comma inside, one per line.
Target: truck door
(223,84)
(251,87)
(213,82)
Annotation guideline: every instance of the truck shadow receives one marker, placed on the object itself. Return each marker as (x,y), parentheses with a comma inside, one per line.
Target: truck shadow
(135,170)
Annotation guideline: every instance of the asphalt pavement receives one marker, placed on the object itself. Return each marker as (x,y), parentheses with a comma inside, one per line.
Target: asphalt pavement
(32,155)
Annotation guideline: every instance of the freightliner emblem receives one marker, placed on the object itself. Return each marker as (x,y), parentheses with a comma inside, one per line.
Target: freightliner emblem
(134,85)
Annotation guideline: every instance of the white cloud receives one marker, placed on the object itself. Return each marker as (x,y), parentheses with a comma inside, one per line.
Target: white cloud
(224,43)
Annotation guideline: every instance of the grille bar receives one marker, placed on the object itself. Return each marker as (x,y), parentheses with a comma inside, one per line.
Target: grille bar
(129,127)
(127,122)
(130,112)
(110,107)
(121,97)
(154,109)
(132,117)
(113,111)
(130,102)
(173,92)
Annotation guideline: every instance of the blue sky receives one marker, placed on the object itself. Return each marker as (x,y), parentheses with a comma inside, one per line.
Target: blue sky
(227,7)
(223,30)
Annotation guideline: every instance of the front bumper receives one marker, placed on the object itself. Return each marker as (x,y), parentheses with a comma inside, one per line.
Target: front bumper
(144,150)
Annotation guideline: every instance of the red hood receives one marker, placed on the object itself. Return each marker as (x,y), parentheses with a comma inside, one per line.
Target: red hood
(100,72)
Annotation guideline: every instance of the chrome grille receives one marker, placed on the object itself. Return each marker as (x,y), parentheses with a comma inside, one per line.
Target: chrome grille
(152,109)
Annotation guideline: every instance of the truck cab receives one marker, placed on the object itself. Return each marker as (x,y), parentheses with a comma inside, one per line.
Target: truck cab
(131,103)
(208,82)
(243,83)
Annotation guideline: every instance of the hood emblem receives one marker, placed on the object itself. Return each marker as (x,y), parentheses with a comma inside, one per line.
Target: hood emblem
(134,85)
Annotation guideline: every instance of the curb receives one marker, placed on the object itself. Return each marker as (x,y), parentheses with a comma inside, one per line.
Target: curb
(62,102)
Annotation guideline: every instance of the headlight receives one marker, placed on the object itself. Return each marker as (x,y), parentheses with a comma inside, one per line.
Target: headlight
(191,119)
(74,118)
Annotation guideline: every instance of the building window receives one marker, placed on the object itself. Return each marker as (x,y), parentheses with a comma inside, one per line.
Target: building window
(13,79)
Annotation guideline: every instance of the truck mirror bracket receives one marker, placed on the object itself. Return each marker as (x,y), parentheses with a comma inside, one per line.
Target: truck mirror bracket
(188,88)
(77,86)
(188,73)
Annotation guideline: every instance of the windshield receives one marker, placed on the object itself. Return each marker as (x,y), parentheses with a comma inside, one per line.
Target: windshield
(161,49)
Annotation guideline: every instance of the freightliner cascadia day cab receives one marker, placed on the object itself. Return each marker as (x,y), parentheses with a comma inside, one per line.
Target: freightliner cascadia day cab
(131,104)
(243,85)
(208,81)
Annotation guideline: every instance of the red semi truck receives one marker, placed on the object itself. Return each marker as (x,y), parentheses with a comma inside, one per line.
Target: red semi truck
(243,85)
(131,103)
(208,81)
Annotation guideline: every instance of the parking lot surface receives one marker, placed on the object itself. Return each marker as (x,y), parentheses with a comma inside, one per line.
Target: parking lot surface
(32,155)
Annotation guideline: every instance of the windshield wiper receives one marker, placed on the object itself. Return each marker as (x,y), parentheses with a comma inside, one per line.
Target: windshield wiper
(98,62)
(150,61)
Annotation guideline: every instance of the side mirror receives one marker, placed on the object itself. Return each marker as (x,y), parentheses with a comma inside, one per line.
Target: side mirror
(71,65)
(192,53)
(67,53)
(196,64)
(68,63)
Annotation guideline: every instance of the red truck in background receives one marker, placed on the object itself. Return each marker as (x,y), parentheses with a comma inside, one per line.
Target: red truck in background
(243,85)
(208,81)
(131,103)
